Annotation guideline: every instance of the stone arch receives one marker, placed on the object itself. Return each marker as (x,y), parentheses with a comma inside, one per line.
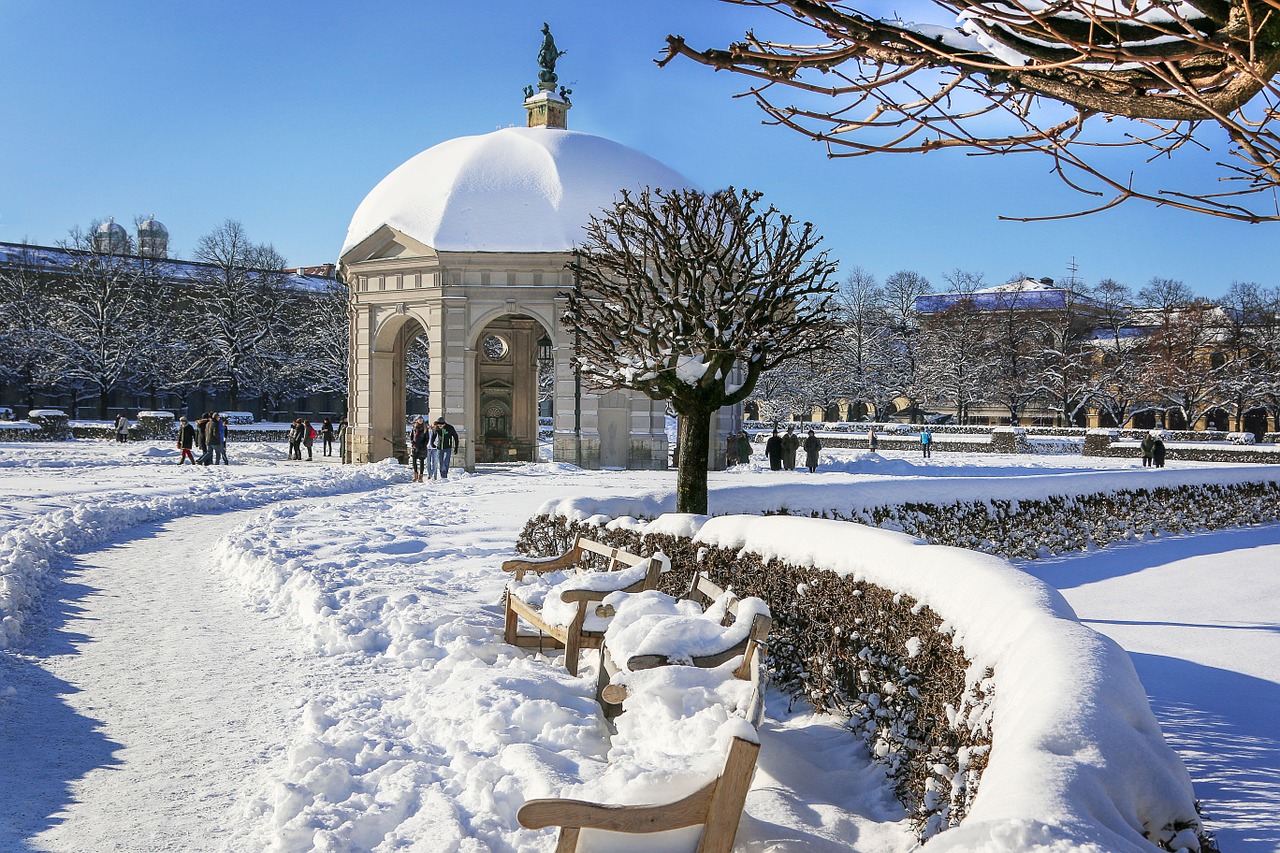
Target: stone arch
(387,395)
(504,418)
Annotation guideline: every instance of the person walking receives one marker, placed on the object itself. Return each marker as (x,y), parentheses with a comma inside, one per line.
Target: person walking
(419,440)
(215,438)
(326,433)
(811,448)
(295,439)
(773,449)
(433,452)
(744,448)
(202,436)
(448,443)
(186,439)
(790,444)
(1157,451)
(926,443)
(122,428)
(308,438)
(224,431)
(731,450)
(873,441)
(1147,445)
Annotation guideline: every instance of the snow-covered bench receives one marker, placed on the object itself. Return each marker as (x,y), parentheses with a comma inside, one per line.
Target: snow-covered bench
(713,626)
(678,633)
(717,806)
(556,595)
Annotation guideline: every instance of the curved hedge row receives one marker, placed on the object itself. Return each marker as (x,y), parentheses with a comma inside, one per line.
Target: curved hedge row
(842,645)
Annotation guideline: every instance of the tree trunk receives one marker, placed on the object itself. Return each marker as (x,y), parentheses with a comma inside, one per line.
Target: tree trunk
(104,397)
(694,446)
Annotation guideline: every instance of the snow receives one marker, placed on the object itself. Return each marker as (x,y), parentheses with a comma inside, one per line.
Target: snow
(517,189)
(283,656)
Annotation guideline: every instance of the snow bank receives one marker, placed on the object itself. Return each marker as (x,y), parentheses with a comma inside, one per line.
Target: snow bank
(29,551)
(1078,760)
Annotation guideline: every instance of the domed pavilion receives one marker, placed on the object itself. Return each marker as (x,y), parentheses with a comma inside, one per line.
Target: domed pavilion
(472,244)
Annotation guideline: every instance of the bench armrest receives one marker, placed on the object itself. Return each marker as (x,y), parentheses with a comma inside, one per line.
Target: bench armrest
(520,565)
(580,814)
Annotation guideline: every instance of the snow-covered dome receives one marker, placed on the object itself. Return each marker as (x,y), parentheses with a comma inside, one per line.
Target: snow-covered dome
(111,237)
(519,189)
(153,239)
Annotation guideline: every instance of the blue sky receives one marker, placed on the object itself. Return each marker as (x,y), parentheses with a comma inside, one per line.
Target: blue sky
(284,114)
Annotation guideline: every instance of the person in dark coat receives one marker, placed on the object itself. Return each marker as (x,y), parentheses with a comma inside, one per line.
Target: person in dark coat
(773,449)
(731,450)
(1157,451)
(744,448)
(1148,442)
(202,438)
(872,440)
(811,448)
(215,438)
(790,444)
(419,443)
(326,432)
(186,440)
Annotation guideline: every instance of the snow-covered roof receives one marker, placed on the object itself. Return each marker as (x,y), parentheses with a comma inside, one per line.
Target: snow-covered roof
(519,189)
(1025,294)
(58,260)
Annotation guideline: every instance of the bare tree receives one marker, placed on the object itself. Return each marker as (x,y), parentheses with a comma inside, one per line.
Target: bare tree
(1184,368)
(899,353)
(26,308)
(1118,358)
(241,300)
(1068,80)
(1016,380)
(956,357)
(97,339)
(689,297)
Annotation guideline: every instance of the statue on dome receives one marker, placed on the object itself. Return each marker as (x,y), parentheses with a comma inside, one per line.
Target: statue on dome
(547,57)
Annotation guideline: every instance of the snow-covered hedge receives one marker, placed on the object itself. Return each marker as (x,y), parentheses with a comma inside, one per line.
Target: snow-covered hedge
(1242,438)
(997,712)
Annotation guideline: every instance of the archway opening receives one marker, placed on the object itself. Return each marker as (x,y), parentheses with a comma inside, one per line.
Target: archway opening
(393,393)
(514,374)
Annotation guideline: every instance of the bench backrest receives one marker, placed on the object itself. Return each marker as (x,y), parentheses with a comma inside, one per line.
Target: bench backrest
(755,646)
(615,558)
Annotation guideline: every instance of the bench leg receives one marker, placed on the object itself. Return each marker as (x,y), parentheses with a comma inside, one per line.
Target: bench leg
(509,623)
(725,809)
(568,840)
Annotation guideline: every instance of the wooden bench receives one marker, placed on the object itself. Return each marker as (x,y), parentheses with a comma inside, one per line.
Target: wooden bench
(573,636)
(716,806)
(704,591)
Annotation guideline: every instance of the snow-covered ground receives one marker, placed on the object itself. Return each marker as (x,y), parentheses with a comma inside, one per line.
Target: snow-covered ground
(300,656)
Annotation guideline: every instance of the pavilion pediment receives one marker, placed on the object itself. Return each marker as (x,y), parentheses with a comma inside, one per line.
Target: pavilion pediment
(387,243)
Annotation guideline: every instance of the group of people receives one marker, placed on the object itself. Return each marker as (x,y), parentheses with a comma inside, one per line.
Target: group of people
(782,450)
(1152,450)
(303,434)
(737,449)
(208,434)
(431,447)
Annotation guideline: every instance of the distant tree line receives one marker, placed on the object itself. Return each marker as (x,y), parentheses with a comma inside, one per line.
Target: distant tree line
(104,325)
(1100,348)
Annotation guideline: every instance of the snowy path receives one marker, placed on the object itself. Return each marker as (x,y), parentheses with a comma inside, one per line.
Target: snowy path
(173,696)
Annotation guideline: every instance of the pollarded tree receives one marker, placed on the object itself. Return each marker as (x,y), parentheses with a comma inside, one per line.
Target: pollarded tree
(1067,79)
(688,297)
